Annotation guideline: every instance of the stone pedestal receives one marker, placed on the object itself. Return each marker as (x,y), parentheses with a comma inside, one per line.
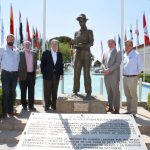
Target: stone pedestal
(70,103)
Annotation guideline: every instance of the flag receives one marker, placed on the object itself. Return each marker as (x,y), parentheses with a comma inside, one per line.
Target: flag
(20,28)
(137,33)
(101,48)
(37,39)
(146,35)
(11,20)
(33,38)
(125,36)
(27,32)
(119,42)
(131,35)
(2,32)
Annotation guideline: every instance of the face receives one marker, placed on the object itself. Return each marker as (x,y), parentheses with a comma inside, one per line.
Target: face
(54,46)
(82,22)
(27,46)
(111,44)
(128,47)
(10,40)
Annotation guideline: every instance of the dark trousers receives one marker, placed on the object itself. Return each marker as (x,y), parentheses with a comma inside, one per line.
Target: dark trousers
(50,92)
(9,82)
(29,84)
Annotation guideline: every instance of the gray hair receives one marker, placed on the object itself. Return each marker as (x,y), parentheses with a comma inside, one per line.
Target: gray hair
(54,41)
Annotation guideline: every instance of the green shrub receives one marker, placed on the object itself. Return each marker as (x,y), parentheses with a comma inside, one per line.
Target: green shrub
(147,77)
(148,101)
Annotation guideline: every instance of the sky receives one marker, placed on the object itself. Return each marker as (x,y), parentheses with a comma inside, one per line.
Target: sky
(104,18)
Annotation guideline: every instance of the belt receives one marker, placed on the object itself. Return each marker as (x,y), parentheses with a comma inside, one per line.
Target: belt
(9,71)
(130,75)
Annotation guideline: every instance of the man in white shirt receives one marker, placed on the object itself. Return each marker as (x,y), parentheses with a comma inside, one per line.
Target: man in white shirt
(132,67)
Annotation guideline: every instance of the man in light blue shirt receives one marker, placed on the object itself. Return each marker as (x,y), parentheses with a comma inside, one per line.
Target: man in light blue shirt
(132,67)
(9,62)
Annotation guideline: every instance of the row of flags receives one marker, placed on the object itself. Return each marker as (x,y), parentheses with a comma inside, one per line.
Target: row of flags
(146,35)
(36,39)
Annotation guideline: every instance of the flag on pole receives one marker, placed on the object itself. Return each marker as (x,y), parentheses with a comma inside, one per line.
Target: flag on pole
(11,20)
(2,32)
(137,33)
(27,32)
(20,28)
(101,48)
(146,35)
(33,38)
(131,35)
(37,39)
(119,42)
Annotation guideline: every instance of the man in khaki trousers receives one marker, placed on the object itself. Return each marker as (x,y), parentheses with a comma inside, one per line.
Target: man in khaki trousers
(132,67)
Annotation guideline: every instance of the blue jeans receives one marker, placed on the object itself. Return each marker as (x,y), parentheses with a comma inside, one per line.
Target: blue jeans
(9,82)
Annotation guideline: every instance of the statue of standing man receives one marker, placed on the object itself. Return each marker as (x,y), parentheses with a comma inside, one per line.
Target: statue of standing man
(83,40)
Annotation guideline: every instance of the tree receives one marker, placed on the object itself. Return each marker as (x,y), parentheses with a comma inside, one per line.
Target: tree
(97,63)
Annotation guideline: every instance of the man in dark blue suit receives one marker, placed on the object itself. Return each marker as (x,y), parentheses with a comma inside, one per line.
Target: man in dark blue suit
(52,70)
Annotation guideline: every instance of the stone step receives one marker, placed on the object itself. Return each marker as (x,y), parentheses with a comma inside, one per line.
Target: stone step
(146,139)
(9,136)
(8,146)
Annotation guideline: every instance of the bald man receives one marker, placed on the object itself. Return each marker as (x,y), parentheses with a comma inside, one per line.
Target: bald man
(111,63)
(27,76)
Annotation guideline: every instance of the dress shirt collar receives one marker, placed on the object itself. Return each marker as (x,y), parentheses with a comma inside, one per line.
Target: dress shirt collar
(52,51)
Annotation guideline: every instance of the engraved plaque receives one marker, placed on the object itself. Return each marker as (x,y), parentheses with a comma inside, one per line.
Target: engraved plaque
(51,131)
(78,107)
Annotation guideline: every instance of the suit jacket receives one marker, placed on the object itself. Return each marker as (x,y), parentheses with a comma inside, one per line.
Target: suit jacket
(23,65)
(113,63)
(47,65)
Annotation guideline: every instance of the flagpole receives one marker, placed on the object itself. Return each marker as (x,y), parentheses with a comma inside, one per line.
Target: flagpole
(44,37)
(44,24)
(122,36)
(144,64)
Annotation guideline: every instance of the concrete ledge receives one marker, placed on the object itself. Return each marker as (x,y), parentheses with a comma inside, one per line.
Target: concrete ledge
(69,103)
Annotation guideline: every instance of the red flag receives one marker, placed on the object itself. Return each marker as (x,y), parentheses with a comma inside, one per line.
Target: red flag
(146,36)
(27,32)
(37,39)
(11,20)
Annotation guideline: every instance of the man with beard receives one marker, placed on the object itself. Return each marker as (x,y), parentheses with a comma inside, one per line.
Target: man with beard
(9,62)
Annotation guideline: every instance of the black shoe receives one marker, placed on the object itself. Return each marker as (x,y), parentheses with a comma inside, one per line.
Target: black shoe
(53,108)
(116,112)
(46,109)
(24,108)
(5,115)
(75,93)
(32,108)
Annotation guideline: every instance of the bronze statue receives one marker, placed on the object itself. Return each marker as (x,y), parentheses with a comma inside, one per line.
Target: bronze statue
(83,40)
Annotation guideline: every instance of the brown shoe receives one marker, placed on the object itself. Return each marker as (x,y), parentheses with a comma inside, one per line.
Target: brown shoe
(109,110)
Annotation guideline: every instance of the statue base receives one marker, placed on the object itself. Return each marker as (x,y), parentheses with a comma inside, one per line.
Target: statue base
(71,103)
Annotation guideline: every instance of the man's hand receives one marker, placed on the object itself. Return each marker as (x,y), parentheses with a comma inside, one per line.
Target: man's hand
(61,77)
(106,71)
